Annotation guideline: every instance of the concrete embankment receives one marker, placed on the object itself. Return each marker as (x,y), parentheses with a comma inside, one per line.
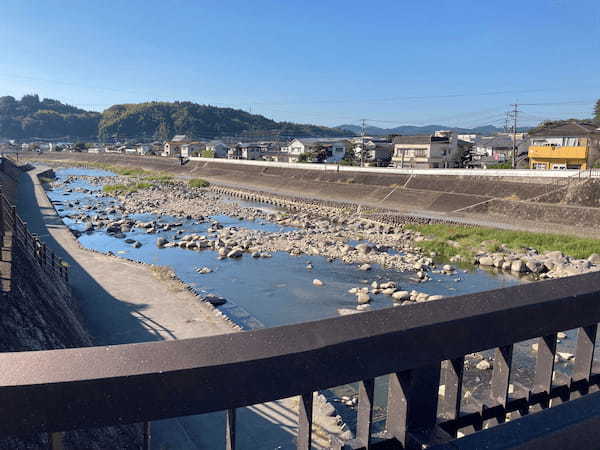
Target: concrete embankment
(514,202)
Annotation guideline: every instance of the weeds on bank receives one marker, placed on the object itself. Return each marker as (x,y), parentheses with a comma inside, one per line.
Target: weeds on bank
(198,183)
(450,240)
(131,187)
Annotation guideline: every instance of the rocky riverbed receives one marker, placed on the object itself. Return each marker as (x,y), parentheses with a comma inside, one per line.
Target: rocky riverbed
(290,265)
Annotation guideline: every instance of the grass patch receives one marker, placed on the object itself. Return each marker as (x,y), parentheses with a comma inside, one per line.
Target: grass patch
(198,183)
(121,188)
(450,240)
(161,178)
(46,180)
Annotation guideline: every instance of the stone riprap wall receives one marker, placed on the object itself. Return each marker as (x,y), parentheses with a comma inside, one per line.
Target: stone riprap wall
(38,312)
(405,193)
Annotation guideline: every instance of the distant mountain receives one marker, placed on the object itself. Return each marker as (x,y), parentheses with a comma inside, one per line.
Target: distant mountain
(31,117)
(161,120)
(426,129)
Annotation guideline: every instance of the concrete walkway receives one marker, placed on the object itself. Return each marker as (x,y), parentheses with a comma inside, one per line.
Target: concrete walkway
(124,302)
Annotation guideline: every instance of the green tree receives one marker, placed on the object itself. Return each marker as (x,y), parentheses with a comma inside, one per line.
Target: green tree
(597,111)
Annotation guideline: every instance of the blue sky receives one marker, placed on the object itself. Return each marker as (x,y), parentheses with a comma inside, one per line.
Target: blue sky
(459,63)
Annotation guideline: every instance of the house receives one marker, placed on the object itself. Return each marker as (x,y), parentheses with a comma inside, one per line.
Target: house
(422,151)
(131,151)
(173,148)
(378,151)
(316,150)
(571,145)
(246,150)
(218,148)
(190,149)
(96,150)
(144,149)
(492,150)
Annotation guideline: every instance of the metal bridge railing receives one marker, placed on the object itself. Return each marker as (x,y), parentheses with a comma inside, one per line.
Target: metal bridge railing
(419,347)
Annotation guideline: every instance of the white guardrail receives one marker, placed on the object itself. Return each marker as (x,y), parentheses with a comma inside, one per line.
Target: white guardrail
(396,171)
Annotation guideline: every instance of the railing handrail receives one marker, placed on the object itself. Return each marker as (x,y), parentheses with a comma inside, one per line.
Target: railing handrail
(58,390)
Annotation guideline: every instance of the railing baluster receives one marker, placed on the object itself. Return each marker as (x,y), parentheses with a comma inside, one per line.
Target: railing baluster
(452,377)
(584,358)
(366,391)
(305,409)
(230,429)
(544,367)
(412,402)
(146,435)
(501,377)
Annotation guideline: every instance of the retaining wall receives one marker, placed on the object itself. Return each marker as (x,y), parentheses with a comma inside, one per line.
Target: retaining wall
(38,312)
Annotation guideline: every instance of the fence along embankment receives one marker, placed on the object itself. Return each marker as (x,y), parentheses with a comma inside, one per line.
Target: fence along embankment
(38,311)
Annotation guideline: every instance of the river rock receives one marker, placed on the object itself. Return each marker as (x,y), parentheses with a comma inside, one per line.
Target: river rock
(486,261)
(401,295)
(518,266)
(204,270)
(136,244)
(362,298)
(484,364)
(318,282)
(594,258)
(235,253)
(364,267)
(363,248)
(161,242)
(215,300)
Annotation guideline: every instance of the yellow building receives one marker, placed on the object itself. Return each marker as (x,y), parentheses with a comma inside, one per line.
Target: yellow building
(571,145)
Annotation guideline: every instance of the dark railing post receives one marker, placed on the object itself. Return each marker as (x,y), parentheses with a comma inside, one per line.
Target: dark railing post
(1,215)
(146,436)
(544,368)
(366,390)
(501,379)
(412,402)
(584,357)
(230,429)
(452,376)
(305,411)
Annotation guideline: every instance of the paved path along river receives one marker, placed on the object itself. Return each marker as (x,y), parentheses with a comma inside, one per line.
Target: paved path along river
(124,302)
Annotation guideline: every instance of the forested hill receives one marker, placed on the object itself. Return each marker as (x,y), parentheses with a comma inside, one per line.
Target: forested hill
(31,117)
(160,120)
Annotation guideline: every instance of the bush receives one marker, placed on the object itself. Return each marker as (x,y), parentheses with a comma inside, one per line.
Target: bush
(198,183)
(208,153)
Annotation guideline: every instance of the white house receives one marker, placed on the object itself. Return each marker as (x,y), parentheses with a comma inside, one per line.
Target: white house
(192,149)
(325,150)
(144,149)
(96,150)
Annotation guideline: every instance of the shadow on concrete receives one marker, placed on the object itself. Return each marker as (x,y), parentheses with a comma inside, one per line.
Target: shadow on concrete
(111,321)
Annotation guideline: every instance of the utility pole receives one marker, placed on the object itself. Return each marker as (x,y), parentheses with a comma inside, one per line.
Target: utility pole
(515,111)
(362,146)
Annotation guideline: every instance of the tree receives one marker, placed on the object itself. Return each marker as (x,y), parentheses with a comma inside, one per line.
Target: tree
(597,111)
